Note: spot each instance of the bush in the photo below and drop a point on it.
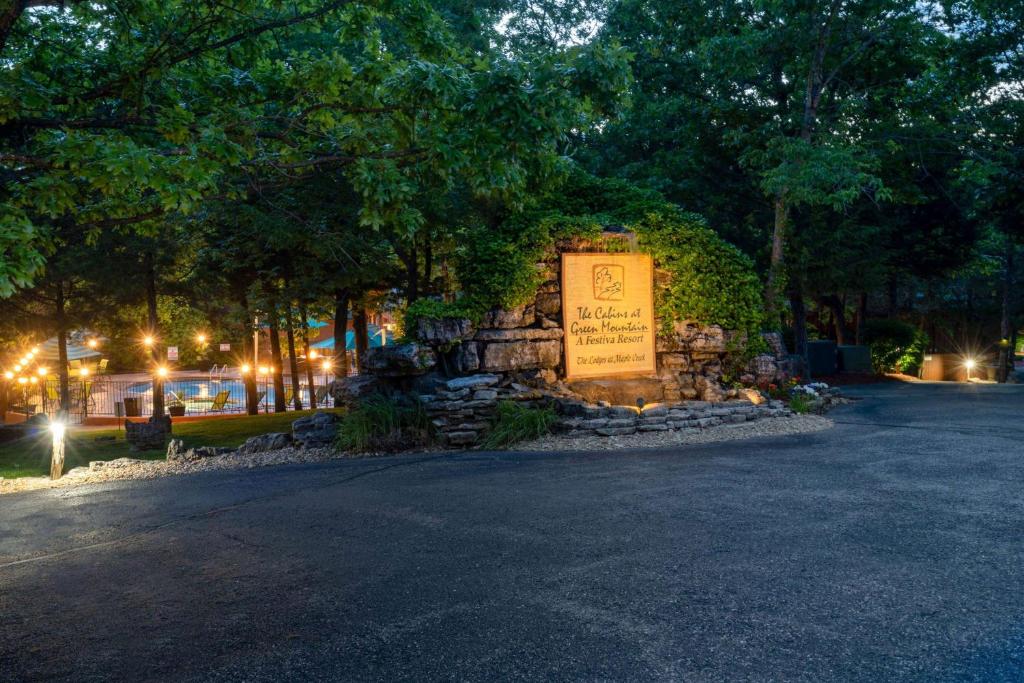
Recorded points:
(382, 423)
(800, 403)
(516, 422)
(713, 282)
(890, 340)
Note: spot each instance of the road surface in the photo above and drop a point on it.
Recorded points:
(890, 547)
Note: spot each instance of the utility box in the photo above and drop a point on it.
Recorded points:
(854, 358)
(131, 407)
(943, 367)
(821, 357)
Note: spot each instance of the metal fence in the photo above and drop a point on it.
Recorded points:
(183, 396)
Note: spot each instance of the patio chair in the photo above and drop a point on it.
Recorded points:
(220, 401)
(102, 367)
(288, 396)
(322, 395)
(260, 398)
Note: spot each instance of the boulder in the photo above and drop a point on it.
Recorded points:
(348, 391)
(549, 303)
(319, 430)
(175, 449)
(515, 334)
(273, 441)
(398, 360)
(443, 331)
(709, 389)
(521, 355)
(467, 357)
(754, 396)
(620, 392)
(150, 435)
(180, 454)
(472, 382)
(520, 316)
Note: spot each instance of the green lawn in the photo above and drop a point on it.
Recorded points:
(31, 457)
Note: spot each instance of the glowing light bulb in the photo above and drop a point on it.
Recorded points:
(92, 343)
(201, 338)
(84, 372)
(23, 380)
(161, 371)
(8, 375)
(34, 380)
(264, 370)
(147, 340)
(42, 372)
(245, 368)
(327, 365)
(313, 355)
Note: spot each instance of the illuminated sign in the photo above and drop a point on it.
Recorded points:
(608, 311)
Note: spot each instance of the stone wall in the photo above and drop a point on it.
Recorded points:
(462, 370)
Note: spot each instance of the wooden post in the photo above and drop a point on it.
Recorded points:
(57, 457)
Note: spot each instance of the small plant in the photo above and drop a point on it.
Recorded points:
(383, 423)
(800, 403)
(516, 422)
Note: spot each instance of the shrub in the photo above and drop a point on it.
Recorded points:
(383, 423)
(515, 422)
(800, 403)
(889, 340)
(713, 282)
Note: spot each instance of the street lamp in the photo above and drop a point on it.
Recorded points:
(57, 429)
(92, 343)
(148, 341)
(161, 372)
(201, 338)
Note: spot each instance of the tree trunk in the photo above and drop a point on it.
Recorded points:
(359, 322)
(158, 382)
(341, 301)
(310, 379)
(412, 271)
(276, 370)
(835, 305)
(862, 316)
(894, 295)
(796, 303)
(293, 362)
(1005, 355)
(428, 264)
(62, 352)
(252, 401)
(772, 290)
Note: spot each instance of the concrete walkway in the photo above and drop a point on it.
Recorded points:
(888, 548)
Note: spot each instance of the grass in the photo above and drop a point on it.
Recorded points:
(30, 457)
(515, 422)
(380, 423)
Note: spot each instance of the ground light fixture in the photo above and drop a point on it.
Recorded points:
(970, 364)
(57, 430)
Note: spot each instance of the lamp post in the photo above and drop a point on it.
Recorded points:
(57, 452)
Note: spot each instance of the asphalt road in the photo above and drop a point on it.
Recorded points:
(888, 548)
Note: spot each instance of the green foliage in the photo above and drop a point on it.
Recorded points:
(382, 423)
(890, 340)
(712, 281)
(515, 422)
(800, 403)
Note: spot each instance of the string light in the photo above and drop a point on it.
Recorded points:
(8, 375)
(245, 369)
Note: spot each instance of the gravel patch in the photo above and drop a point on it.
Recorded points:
(778, 426)
(129, 468)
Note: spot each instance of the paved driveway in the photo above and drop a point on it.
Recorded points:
(891, 547)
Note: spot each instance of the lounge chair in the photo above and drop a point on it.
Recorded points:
(220, 401)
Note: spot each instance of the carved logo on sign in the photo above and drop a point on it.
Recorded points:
(609, 282)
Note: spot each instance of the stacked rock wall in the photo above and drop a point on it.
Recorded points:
(462, 369)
